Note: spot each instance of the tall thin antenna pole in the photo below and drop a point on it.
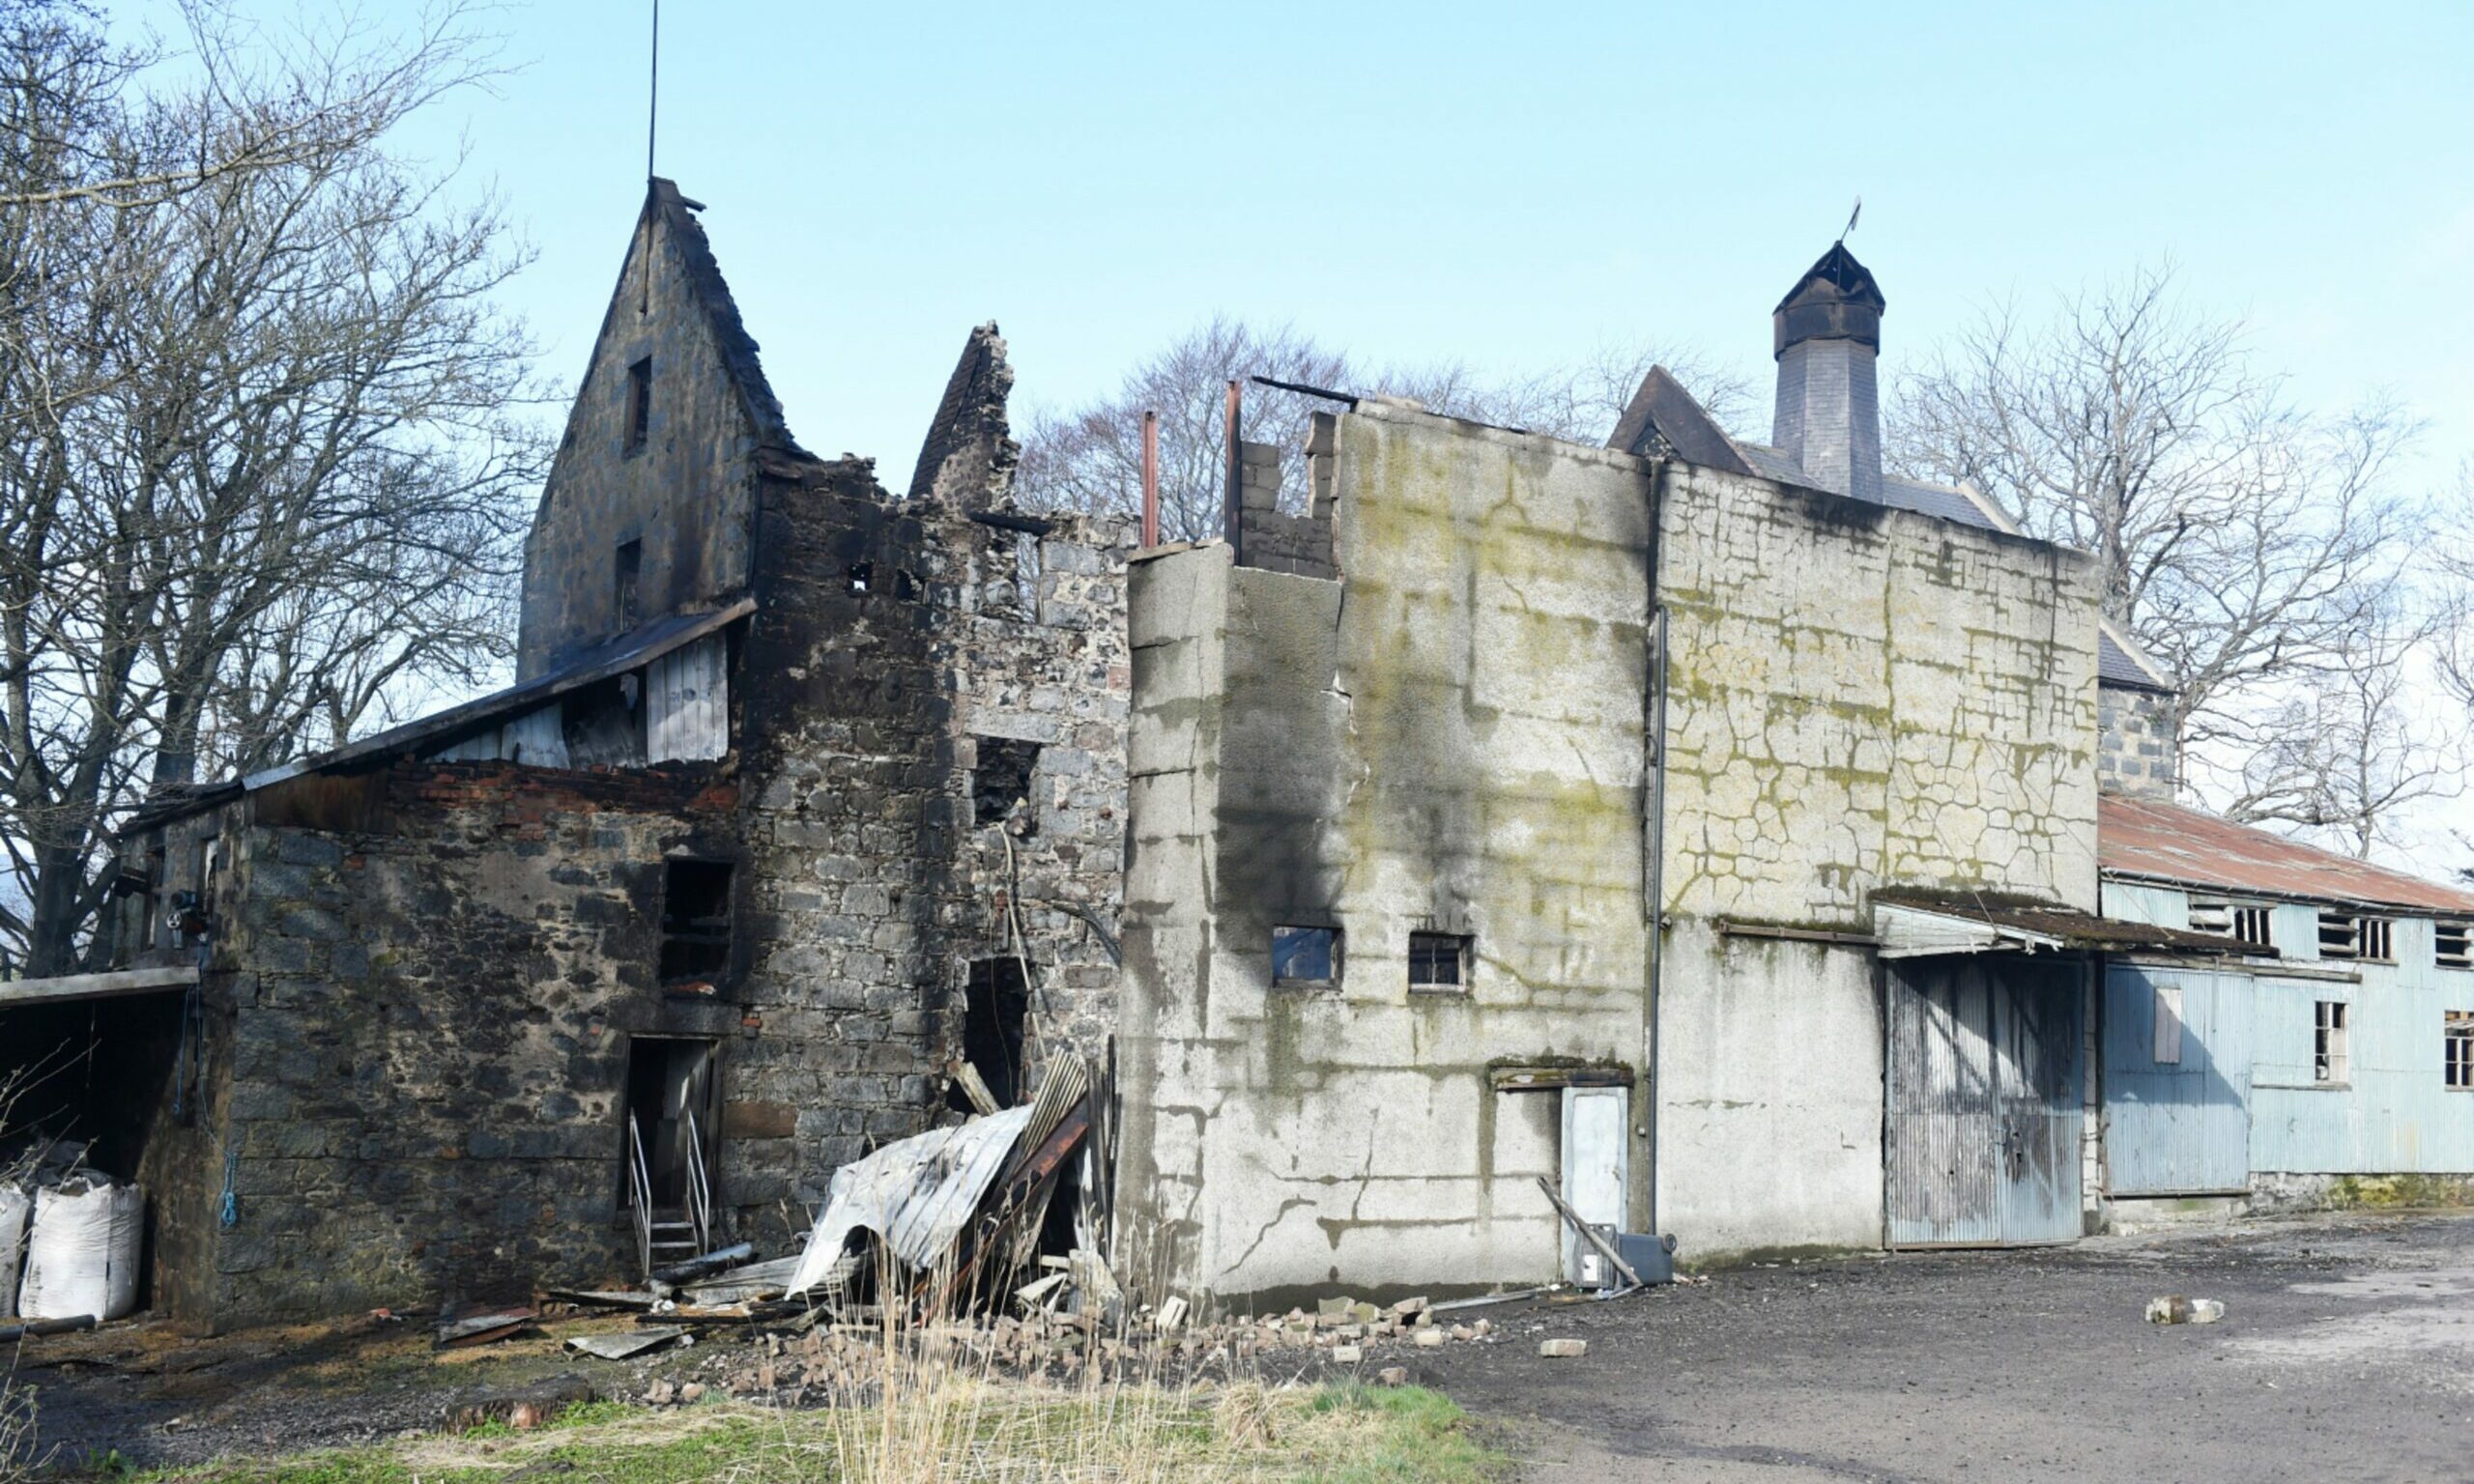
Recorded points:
(652, 97)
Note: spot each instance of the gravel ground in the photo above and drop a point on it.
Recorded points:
(2346, 1352)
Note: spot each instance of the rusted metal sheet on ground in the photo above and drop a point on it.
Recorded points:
(1984, 1069)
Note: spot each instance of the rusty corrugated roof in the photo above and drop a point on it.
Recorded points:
(2167, 842)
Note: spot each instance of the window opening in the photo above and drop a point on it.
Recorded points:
(2167, 1048)
(625, 570)
(997, 1007)
(2329, 1062)
(695, 921)
(2350, 935)
(2378, 939)
(1438, 960)
(640, 403)
(671, 1125)
(2459, 1048)
(2244, 922)
(1306, 955)
(2453, 944)
(1002, 779)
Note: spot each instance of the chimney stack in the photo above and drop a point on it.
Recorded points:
(1828, 334)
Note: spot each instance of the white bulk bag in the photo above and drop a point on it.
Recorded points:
(81, 1254)
(14, 1209)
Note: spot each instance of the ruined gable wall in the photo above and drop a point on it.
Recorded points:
(1451, 740)
(877, 888)
(685, 494)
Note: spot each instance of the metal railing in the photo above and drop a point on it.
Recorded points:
(700, 1190)
(640, 1186)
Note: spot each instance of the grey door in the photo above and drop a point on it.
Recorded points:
(1984, 1115)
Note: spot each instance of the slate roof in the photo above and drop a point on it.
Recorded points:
(2158, 842)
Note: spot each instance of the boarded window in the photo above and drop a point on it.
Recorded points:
(1438, 961)
(2330, 1062)
(2166, 1049)
(997, 1006)
(2459, 1049)
(695, 922)
(1002, 780)
(640, 403)
(2453, 944)
(1306, 955)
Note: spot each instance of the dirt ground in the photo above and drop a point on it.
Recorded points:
(2346, 1352)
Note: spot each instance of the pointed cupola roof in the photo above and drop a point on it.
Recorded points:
(1835, 300)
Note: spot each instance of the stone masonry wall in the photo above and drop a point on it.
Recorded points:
(2137, 755)
(431, 1011)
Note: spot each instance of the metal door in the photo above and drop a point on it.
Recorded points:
(2177, 1081)
(1596, 1156)
(1984, 1114)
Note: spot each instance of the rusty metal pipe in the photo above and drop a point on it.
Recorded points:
(1150, 479)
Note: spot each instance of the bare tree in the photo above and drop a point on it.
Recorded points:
(2250, 545)
(1091, 458)
(2347, 756)
(262, 436)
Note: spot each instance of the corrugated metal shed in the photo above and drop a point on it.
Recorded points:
(2146, 839)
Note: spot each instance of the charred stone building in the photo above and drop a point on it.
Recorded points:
(804, 789)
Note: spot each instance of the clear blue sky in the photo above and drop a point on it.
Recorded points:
(1501, 184)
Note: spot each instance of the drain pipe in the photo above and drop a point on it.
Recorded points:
(1657, 903)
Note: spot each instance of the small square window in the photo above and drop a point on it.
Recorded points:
(1438, 961)
(2459, 1049)
(2330, 1063)
(640, 403)
(1306, 955)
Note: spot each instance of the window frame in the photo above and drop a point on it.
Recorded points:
(725, 938)
(1331, 957)
(1463, 957)
(2457, 1050)
(2331, 1044)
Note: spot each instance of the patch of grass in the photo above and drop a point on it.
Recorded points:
(974, 1430)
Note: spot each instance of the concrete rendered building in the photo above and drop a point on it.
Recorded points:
(1709, 828)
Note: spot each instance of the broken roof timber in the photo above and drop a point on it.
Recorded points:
(638, 647)
(1914, 924)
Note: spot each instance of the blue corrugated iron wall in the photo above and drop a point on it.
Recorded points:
(2395, 1114)
(2181, 1128)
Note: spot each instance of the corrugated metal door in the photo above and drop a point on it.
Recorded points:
(1984, 1117)
(1595, 1153)
(2177, 1058)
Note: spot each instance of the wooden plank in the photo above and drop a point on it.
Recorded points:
(95, 987)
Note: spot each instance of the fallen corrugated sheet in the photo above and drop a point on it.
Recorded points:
(916, 1194)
